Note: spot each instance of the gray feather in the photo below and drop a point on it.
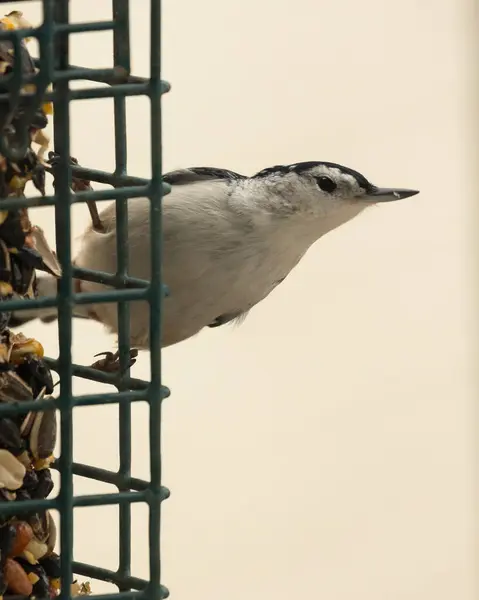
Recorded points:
(197, 174)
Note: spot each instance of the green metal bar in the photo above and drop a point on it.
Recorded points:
(90, 74)
(125, 89)
(53, 36)
(155, 590)
(117, 281)
(122, 398)
(85, 27)
(21, 408)
(121, 57)
(83, 298)
(97, 195)
(79, 501)
(107, 296)
(107, 75)
(131, 78)
(122, 499)
(100, 376)
(112, 577)
(10, 509)
(121, 89)
(117, 179)
(58, 51)
(27, 303)
(126, 396)
(137, 190)
(131, 483)
(9, 34)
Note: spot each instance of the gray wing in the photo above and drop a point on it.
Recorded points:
(197, 174)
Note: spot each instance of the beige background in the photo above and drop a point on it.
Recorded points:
(324, 449)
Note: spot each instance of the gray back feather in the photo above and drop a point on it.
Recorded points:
(198, 174)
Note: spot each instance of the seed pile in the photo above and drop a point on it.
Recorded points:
(29, 567)
(28, 564)
(14, 176)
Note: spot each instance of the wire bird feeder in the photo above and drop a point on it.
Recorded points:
(29, 566)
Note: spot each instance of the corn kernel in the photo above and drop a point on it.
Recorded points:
(23, 349)
(18, 183)
(33, 578)
(8, 24)
(30, 558)
(55, 583)
(43, 463)
(5, 288)
(48, 108)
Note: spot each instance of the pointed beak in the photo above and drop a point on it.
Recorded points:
(376, 194)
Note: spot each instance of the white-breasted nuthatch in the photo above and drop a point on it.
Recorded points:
(228, 241)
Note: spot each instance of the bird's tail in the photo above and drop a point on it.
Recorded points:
(46, 287)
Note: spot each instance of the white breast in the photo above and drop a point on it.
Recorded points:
(217, 259)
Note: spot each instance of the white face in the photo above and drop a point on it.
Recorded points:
(321, 191)
(312, 191)
(332, 182)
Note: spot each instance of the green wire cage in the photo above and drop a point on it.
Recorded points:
(54, 68)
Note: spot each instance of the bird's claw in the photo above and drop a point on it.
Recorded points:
(111, 361)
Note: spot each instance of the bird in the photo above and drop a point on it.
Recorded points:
(228, 241)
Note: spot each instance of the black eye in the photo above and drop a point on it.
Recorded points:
(326, 184)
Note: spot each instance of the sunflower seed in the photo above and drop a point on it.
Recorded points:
(13, 388)
(26, 425)
(12, 471)
(43, 435)
(52, 533)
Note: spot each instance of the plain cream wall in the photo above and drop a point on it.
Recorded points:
(324, 449)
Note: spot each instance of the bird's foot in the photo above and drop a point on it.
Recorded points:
(111, 361)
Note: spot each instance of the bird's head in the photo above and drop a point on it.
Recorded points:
(324, 190)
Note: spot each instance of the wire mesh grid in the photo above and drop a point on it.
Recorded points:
(54, 67)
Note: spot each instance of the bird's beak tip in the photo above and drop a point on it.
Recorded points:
(389, 194)
(409, 193)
